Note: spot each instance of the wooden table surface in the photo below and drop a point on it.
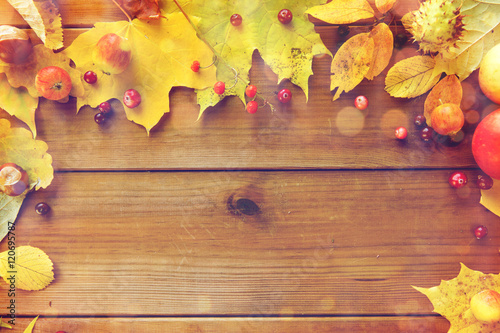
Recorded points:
(145, 238)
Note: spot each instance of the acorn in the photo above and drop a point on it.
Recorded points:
(15, 45)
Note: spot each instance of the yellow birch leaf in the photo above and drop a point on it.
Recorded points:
(43, 17)
(448, 90)
(31, 268)
(451, 299)
(382, 53)
(23, 75)
(342, 11)
(491, 198)
(384, 6)
(351, 63)
(4, 324)
(18, 103)
(412, 77)
(30, 327)
(162, 53)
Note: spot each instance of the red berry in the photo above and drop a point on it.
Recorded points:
(42, 208)
(484, 182)
(90, 77)
(426, 134)
(480, 231)
(104, 107)
(361, 102)
(251, 90)
(195, 67)
(252, 107)
(132, 98)
(285, 16)
(236, 19)
(458, 179)
(284, 95)
(420, 120)
(99, 118)
(401, 133)
(219, 87)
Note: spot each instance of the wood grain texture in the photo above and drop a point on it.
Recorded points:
(323, 243)
(319, 134)
(236, 325)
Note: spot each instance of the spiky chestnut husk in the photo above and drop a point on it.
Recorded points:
(437, 25)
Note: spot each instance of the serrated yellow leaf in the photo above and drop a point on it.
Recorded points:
(43, 17)
(382, 52)
(342, 11)
(4, 324)
(31, 268)
(412, 77)
(288, 49)
(451, 299)
(491, 198)
(351, 63)
(30, 327)
(18, 146)
(448, 90)
(23, 75)
(18, 103)
(384, 6)
(162, 54)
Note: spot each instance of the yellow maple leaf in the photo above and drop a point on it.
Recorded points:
(162, 54)
(351, 63)
(342, 11)
(29, 268)
(448, 90)
(18, 102)
(412, 77)
(18, 146)
(43, 17)
(451, 299)
(491, 198)
(382, 52)
(23, 75)
(31, 325)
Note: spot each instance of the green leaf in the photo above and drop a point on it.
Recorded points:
(17, 102)
(287, 49)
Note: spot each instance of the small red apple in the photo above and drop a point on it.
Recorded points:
(486, 144)
(13, 179)
(53, 83)
(112, 54)
(447, 119)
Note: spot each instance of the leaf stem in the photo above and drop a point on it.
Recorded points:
(123, 10)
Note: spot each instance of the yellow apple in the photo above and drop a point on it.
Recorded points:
(489, 74)
(485, 306)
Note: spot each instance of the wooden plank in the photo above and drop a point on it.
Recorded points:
(185, 243)
(319, 134)
(263, 325)
(76, 13)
